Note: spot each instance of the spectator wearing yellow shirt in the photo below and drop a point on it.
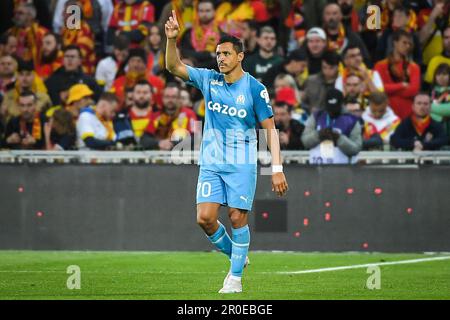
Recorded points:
(231, 14)
(440, 59)
(432, 23)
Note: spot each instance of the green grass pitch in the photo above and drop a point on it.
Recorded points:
(199, 275)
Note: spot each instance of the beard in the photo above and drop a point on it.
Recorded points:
(332, 24)
(47, 59)
(142, 105)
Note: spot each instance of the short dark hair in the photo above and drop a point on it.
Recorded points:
(378, 97)
(57, 37)
(402, 9)
(109, 97)
(283, 104)
(296, 55)
(422, 93)
(265, 29)
(143, 82)
(4, 38)
(443, 68)
(172, 85)
(252, 24)
(238, 45)
(401, 33)
(331, 58)
(121, 42)
(207, 1)
(73, 47)
(351, 46)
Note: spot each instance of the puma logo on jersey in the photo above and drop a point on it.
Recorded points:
(224, 109)
(244, 198)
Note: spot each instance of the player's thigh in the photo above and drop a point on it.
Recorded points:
(240, 189)
(210, 188)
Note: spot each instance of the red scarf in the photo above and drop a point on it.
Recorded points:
(420, 124)
(337, 45)
(36, 131)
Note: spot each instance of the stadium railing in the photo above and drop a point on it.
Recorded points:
(191, 157)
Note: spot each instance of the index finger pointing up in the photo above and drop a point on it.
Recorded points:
(174, 16)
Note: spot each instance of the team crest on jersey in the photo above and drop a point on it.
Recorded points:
(240, 99)
(216, 83)
(265, 95)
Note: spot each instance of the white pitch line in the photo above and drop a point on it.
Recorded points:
(364, 265)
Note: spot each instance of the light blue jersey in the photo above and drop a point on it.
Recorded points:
(228, 154)
(232, 112)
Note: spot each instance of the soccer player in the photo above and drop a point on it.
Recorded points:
(235, 102)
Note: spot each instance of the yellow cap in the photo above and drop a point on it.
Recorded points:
(78, 92)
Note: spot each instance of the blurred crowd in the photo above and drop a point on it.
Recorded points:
(89, 74)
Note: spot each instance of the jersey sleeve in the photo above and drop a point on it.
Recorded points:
(261, 101)
(198, 77)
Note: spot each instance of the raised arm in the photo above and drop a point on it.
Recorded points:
(173, 62)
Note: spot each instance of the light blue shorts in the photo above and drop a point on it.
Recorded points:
(232, 189)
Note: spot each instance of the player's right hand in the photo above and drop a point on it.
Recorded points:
(172, 27)
(279, 184)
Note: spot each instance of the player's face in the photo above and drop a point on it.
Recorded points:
(227, 58)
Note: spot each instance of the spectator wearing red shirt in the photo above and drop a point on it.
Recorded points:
(136, 67)
(401, 77)
(129, 18)
(171, 125)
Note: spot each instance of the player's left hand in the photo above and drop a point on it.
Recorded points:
(279, 184)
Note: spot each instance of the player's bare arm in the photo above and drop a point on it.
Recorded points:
(279, 182)
(173, 62)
